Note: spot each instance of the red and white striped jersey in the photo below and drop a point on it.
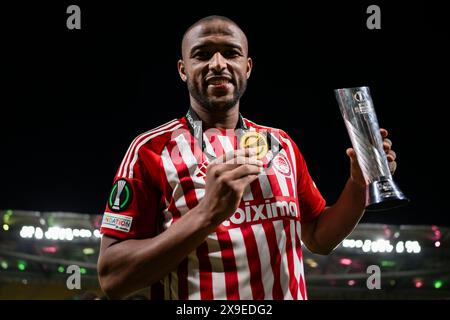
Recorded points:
(256, 253)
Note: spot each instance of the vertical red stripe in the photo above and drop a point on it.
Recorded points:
(168, 192)
(254, 263)
(273, 181)
(291, 159)
(212, 136)
(289, 185)
(256, 190)
(186, 181)
(275, 260)
(298, 248)
(303, 288)
(293, 284)
(229, 265)
(206, 285)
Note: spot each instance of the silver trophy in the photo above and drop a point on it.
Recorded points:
(362, 125)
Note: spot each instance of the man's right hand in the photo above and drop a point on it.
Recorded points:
(226, 179)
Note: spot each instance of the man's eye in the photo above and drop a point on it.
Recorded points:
(202, 55)
(231, 54)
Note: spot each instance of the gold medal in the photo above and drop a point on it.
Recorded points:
(256, 140)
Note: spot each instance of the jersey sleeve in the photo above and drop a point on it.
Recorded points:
(132, 208)
(310, 199)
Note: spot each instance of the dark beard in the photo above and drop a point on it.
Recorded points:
(214, 106)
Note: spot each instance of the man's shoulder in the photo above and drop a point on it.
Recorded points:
(272, 130)
(155, 139)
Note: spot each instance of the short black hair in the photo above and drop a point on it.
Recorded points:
(207, 19)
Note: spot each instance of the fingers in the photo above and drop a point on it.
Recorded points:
(391, 155)
(235, 162)
(351, 153)
(387, 147)
(238, 178)
(384, 132)
(241, 183)
(392, 166)
(239, 160)
(387, 144)
(241, 171)
(248, 152)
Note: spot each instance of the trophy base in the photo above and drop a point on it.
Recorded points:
(384, 195)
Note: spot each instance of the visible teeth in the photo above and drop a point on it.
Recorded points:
(218, 81)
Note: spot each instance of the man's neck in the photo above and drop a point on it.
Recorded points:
(227, 119)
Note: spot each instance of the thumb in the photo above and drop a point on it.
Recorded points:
(351, 153)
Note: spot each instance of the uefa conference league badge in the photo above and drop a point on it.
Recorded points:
(120, 196)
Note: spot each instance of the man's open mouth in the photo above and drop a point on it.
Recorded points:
(218, 81)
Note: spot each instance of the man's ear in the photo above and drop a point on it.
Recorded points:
(249, 67)
(182, 70)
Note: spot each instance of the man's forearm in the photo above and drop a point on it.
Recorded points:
(339, 220)
(131, 265)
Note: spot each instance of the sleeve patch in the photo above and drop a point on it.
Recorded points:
(121, 195)
(117, 222)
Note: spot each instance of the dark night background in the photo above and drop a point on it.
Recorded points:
(73, 100)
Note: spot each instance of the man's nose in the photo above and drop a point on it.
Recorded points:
(217, 62)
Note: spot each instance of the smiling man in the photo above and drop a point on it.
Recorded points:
(212, 205)
(216, 82)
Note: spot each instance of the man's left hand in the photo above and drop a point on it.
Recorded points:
(356, 173)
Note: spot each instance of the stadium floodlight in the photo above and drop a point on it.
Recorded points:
(311, 262)
(345, 261)
(418, 283)
(367, 245)
(27, 232)
(21, 265)
(38, 234)
(49, 249)
(437, 284)
(399, 248)
(387, 263)
(88, 251)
